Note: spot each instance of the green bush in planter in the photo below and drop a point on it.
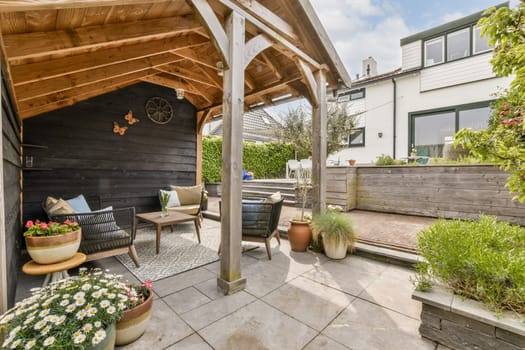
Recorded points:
(483, 260)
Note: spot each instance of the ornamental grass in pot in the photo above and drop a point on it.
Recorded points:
(52, 242)
(75, 313)
(334, 232)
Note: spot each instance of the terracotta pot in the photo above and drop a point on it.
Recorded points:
(134, 322)
(351, 162)
(333, 249)
(299, 235)
(53, 249)
(109, 341)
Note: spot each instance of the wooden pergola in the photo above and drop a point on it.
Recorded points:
(227, 56)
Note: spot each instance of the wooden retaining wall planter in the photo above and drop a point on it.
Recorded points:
(460, 323)
(449, 191)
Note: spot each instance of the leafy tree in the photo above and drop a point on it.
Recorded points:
(503, 142)
(297, 129)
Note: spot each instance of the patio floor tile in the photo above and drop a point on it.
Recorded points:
(204, 315)
(186, 300)
(258, 326)
(322, 342)
(348, 277)
(193, 342)
(309, 302)
(181, 281)
(296, 262)
(366, 326)
(393, 293)
(264, 278)
(165, 328)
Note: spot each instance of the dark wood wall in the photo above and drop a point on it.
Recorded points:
(82, 154)
(11, 190)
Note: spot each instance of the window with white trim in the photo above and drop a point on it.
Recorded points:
(434, 51)
(357, 137)
(480, 44)
(458, 44)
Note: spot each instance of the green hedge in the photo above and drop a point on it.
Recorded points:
(265, 161)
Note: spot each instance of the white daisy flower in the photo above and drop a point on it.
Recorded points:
(60, 320)
(7, 319)
(87, 327)
(30, 344)
(104, 304)
(80, 302)
(70, 308)
(91, 312)
(45, 330)
(79, 295)
(44, 313)
(79, 337)
(96, 294)
(81, 314)
(29, 320)
(16, 343)
(49, 341)
(39, 325)
(99, 336)
(111, 310)
(86, 287)
(14, 331)
(98, 324)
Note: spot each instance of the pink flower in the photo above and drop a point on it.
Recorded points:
(148, 284)
(29, 223)
(43, 225)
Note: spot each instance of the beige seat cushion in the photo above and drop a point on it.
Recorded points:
(274, 198)
(58, 206)
(192, 209)
(188, 194)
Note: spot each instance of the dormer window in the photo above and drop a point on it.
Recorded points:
(434, 51)
(481, 44)
(458, 44)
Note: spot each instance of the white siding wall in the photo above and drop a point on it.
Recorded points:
(411, 55)
(459, 72)
(378, 116)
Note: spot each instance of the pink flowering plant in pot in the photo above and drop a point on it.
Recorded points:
(137, 313)
(43, 229)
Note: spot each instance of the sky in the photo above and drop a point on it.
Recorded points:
(362, 28)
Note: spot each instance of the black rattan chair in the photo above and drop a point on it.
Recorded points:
(105, 233)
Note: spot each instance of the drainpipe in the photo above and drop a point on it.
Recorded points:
(394, 116)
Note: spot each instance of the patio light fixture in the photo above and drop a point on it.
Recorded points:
(180, 93)
(220, 68)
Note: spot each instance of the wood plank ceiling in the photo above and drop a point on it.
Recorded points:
(58, 53)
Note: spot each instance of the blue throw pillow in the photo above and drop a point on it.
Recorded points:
(79, 204)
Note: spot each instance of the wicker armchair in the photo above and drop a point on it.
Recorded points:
(260, 221)
(105, 233)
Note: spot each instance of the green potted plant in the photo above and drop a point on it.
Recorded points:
(137, 313)
(51, 242)
(164, 200)
(299, 231)
(333, 231)
(75, 313)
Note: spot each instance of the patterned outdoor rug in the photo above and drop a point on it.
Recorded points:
(179, 250)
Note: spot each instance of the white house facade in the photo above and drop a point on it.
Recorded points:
(445, 83)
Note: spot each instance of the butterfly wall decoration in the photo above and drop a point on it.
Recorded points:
(131, 120)
(117, 129)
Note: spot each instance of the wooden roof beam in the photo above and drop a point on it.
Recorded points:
(274, 66)
(185, 74)
(44, 70)
(174, 83)
(265, 15)
(215, 28)
(284, 45)
(32, 5)
(69, 81)
(41, 46)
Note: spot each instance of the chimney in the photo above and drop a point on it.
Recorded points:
(369, 67)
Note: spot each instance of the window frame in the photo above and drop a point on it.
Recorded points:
(456, 109)
(444, 36)
(443, 58)
(347, 95)
(469, 45)
(361, 144)
(474, 38)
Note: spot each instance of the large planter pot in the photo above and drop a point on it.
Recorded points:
(134, 322)
(109, 342)
(214, 189)
(53, 249)
(334, 249)
(299, 235)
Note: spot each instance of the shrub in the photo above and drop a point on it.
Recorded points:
(265, 161)
(483, 260)
(388, 160)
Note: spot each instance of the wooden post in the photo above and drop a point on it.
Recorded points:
(319, 145)
(3, 239)
(229, 279)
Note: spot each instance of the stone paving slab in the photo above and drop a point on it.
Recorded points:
(322, 342)
(193, 342)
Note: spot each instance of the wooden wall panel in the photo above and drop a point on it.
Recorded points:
(11, 190)
(438, 191)
(83, 155)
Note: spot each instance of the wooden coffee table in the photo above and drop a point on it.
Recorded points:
(172, 219)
